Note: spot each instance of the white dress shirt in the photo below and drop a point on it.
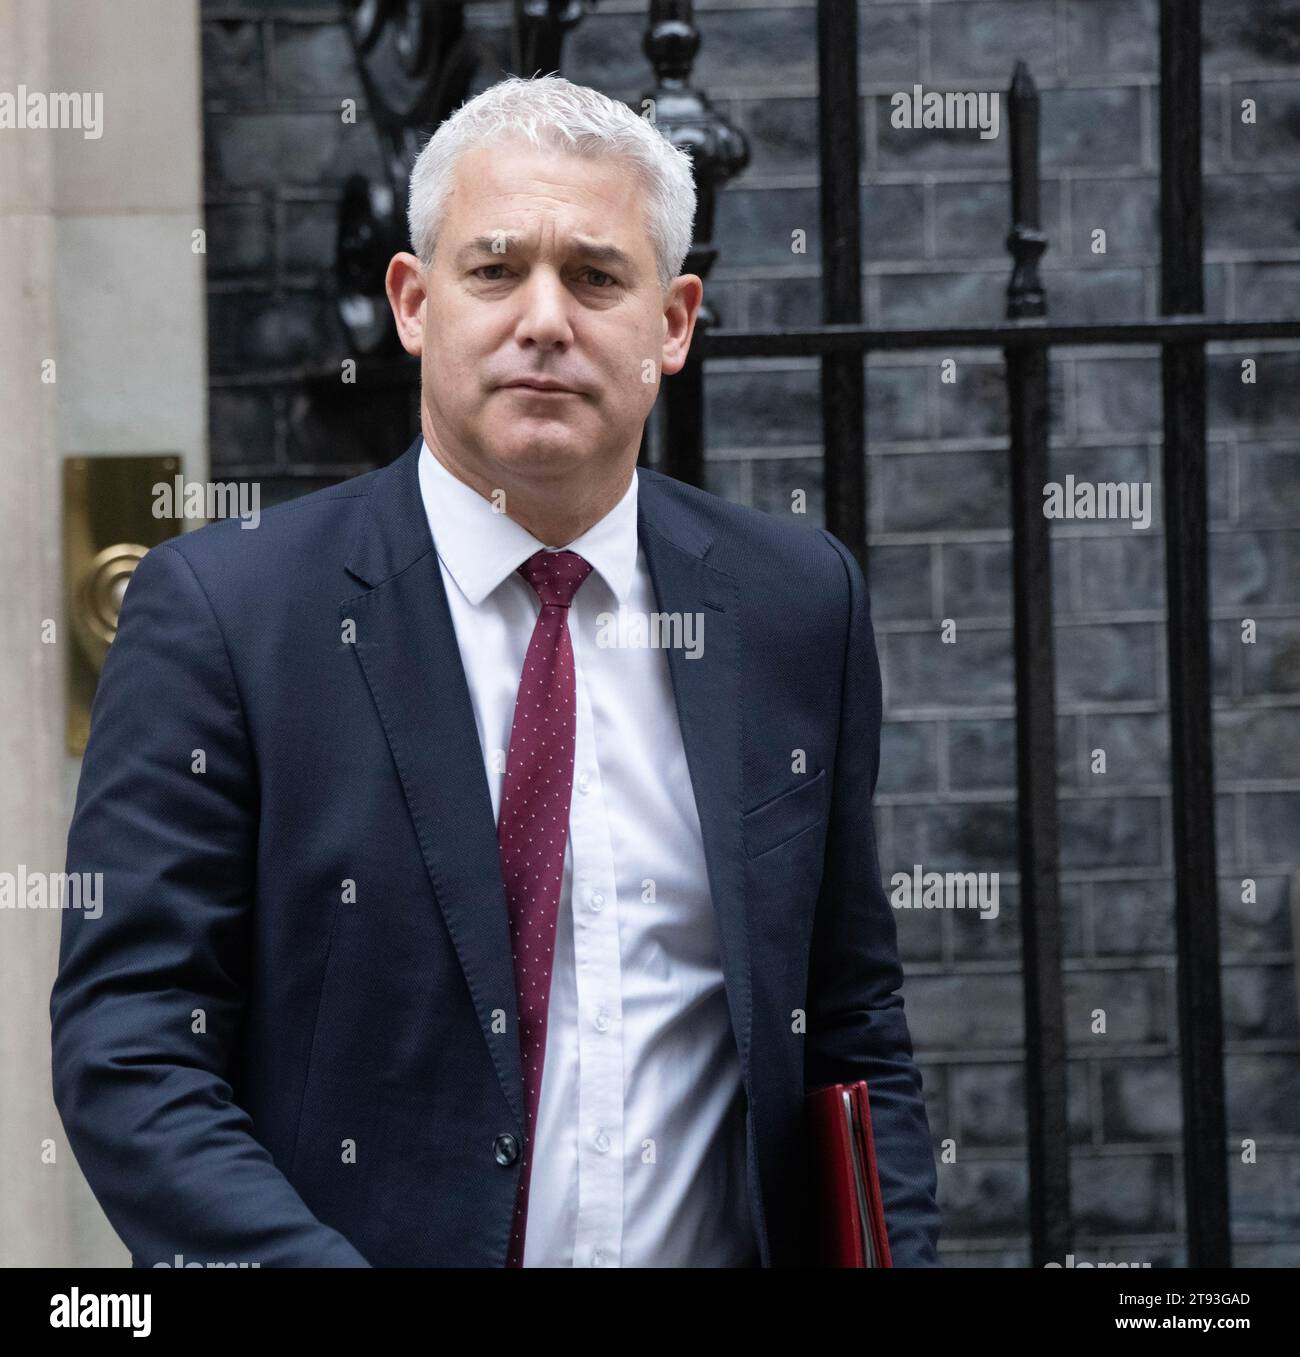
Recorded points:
(639, 1153)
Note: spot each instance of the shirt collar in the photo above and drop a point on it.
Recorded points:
(481, 547)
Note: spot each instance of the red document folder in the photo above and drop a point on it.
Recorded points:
(850, 1216)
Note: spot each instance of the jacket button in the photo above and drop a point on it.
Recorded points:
(506, 1149)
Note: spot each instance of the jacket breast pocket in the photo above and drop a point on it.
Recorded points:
(785, 816)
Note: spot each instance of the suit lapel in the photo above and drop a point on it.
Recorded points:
(406, 645)
(405, 642)
(707, 693)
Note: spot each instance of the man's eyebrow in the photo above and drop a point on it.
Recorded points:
(604, 252)
(486, 245)
(597, 250)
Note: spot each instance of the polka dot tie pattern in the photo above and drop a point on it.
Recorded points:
(534, 825)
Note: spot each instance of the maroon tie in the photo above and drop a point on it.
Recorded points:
(534, 825)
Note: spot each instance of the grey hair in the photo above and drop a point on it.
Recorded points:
(550, 112)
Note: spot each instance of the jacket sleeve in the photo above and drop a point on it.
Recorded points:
(147, 1005)
(856, 1025)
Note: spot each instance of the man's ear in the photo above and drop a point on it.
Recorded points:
(681, 307)
(407, 290)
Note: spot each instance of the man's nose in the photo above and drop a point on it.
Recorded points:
(544, 303)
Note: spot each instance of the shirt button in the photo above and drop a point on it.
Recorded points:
(602, 1021)
(584, 783)
(597, 900)
(506, 1149)
(598, 1257)
(602, 1141)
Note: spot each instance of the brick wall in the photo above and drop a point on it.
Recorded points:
(935, 209)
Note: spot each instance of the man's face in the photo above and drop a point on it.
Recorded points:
(543, 271)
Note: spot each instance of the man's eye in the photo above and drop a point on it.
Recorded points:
(608, 278)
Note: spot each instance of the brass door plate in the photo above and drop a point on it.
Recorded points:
(108, 525)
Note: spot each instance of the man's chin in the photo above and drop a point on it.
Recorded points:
(552, 451)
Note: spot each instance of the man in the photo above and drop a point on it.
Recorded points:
(487, 852)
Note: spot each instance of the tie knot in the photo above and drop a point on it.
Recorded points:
(555, 575)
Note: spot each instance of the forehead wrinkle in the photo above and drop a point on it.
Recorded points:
(537, 186)
(574, 243)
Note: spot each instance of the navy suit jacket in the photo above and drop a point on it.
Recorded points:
(277, 1044)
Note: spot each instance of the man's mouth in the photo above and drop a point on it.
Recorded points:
(542, 388)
